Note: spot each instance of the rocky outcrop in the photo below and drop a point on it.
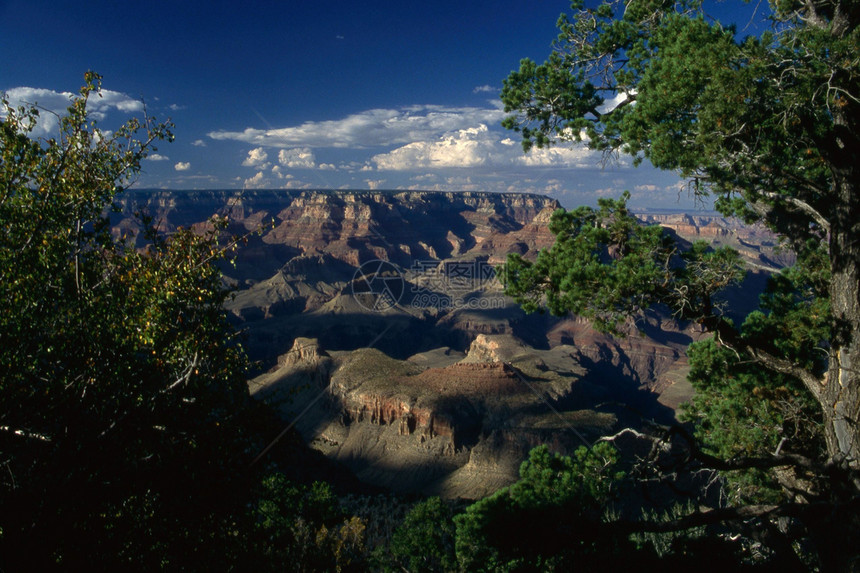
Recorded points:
(307, 355)
(692, 226)
(635, 355)
(435, 402)
(456, 430)
(306, 365)
(493, 349)
(303, 284)
(533, 236)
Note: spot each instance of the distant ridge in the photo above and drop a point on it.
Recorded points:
(395, 192)
(322, 190)
(355, 226)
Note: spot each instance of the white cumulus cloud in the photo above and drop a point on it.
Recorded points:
(256, 158)
(477, 147)
(108, 99)
(371, 128)
(562, 155)
(258, 181)
(297, 158)
(98, 105)
(182, 166)
(421, 137)
(157, 157)
(468, 147)
(296, 184)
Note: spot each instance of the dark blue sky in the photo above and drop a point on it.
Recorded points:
(373, 94)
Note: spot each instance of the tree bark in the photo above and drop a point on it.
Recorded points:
(840, 398)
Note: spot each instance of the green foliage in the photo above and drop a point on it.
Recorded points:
(605, 265)
(731, 417)
(122, 394)
(537, 89)
(424, 542)
(304, 527)
(747, 119)
(769, 126)
(548, 520)
(742, 410)
(795, 317)
(282, 503)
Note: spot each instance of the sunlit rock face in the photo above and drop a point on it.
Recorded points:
(441, 422)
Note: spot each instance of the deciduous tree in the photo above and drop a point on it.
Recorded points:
(121, 390)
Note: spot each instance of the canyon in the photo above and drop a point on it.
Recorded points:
(381, 333)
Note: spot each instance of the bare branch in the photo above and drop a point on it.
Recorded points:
(777, 459)
(186, 376)
(733, 514)
(26, 434)
(802, 206)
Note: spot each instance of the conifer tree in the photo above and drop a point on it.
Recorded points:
(767, 126)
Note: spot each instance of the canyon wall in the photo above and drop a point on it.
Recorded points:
(379, 329)
(356, 226)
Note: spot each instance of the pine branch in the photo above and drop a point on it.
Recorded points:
(730, 338)
(802, 511)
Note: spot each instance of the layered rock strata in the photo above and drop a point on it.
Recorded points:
(459, 383)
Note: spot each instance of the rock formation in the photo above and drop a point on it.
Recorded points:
(356, 226)
(421, 375)
(437, 425)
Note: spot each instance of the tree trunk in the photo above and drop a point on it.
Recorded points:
(836, 534)
(840, 397)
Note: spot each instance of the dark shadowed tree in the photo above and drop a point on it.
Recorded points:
(424, 542)
(549, 520)
(122, 393)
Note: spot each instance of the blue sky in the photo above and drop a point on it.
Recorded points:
(376, 94)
